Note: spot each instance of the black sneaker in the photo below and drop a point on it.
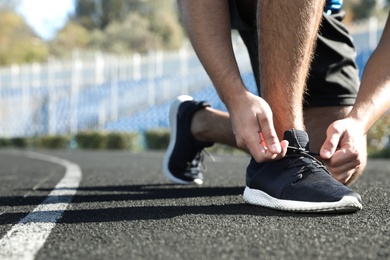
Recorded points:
(183, 159)
(298, 182)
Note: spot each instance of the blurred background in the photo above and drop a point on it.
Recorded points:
(73, 66)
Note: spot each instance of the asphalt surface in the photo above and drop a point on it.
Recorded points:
(124, 208)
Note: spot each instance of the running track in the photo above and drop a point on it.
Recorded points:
(118, 205)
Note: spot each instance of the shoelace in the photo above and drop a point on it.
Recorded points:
(196, 166)
(301, 152)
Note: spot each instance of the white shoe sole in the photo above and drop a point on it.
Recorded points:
(172, 142)
(347, 204)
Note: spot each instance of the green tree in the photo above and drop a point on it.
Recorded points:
(113, 11)
(126, 26)
(98, 14)
(18, 43)
(132, 35)
(359, 9)
(165, 25)
(365, 9)
(72, 36)
(86, 14)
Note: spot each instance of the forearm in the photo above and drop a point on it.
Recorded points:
(208, 27)
(374, 94)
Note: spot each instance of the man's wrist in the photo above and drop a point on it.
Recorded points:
(233, 96)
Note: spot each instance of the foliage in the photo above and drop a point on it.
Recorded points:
(378, 136)
(384, 153)
(86, 14)
(127, 26)
(114, 26)
(98, 14)
(95, 14)
(53, 142)
(121, 141)
(136, 39)
(90, 140)
(103, 140)
(85, 140)
(19, 142)
(18, 43)
(5, 142)
(72, 36)
(363, 9)
(157, 139)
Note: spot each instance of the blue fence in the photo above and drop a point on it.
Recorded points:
(117, 104)
(157, 116)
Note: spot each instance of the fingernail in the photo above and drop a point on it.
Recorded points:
(326, 153)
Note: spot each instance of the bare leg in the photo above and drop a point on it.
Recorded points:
(287, 31)
(215, 126)
(211, 125)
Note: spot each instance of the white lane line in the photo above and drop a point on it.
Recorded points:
(25, 239)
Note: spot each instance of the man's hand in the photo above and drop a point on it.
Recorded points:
(342, 149)
(253, 128)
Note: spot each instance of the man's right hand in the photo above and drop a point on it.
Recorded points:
(253, 127)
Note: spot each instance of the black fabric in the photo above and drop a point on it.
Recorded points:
(333, 78)
(299, 139)
(186, 146)
(184, 117)
(297, 176)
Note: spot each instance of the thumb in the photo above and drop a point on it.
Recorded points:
(330, 145)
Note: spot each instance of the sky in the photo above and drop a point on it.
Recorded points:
(46, 16)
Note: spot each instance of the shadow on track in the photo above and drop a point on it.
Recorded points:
(167, 192)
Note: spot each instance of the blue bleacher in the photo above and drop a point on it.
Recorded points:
(157, 116)
(94, 99)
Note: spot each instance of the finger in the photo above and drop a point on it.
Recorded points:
(330, 145)
(283, 144)
(258, 149)
(344, 157)
(344, 177)
(266, 155)
(259, 152)
(343, 168)
(268, 132)
(252, 142)
(261, 155)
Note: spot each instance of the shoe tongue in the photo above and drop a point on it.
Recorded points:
(297, 138)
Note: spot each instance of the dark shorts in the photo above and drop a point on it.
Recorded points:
(333, 79)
